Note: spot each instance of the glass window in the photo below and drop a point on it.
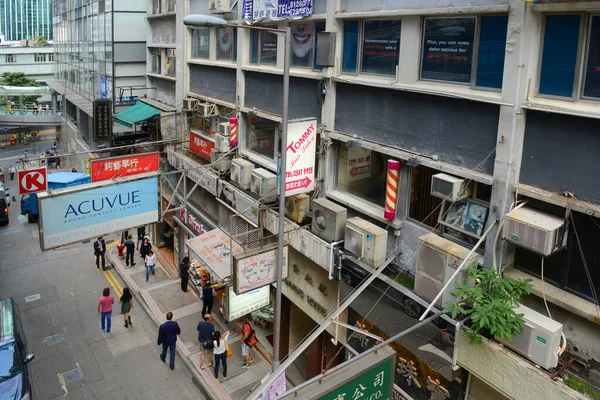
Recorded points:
(263, 47)
(561, 38)
(363, 173)
(592, 70)
(200, 43)
(303, 43)
(156, 64)
(227, 44)
(262, 136)
(492, 48)
(424, 207)
(448, 49)
(381, 44)
(350, 55)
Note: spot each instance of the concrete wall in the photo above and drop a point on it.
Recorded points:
(213, 82)
(164, 92)
(163, 30)
(377, 5)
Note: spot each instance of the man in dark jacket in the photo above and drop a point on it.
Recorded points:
(100, 251)
(130, 248)
(141, 232)
(167, 336)
(184, 273)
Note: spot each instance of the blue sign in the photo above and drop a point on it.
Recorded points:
(78, 215)
(276, 9)
(5, 130)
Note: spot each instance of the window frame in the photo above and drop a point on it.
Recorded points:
(586, 40)
(232, 59)
(314, 48)
(262, 159)
(10, 59)
(196, 32)
(260, 34)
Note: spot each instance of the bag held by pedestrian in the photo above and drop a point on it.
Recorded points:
(229, 352)
(251, 339)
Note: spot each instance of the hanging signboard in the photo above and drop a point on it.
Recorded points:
(114, 167)
(201, 146)
(240, 305)
(256, 269)
(103, 125)
(301, 153)
(276, 9)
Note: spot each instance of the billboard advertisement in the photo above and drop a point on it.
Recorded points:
(115, 167)
(243, 304)
(252, 270)
(84, 212)
(201, 146)
(301, 153)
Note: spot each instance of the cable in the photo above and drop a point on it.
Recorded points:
(544, 289)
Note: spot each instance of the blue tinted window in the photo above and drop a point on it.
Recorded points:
(561, 38)
(319, 27)
(381, 44)
(492, 46)
(592, 70)
(254, 40)
(350, 46)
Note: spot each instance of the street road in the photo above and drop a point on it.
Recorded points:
(57, 293)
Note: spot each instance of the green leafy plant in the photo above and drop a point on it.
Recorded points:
(20, 80)
(582, 387)
(41, 40)
(490, 301)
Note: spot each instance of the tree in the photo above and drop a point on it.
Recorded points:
(41, 40)
(20, 80)
(491, 303)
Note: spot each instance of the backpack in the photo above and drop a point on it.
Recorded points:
(251, 339)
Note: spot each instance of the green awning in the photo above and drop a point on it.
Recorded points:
(135, 114)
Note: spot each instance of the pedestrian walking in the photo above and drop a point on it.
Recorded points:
(145, 248)
(184, 273)
(39, 109)
(130, 251)
(9, 107)
(46, 109)
(105, 309)
(205, 336)
(42, 160)
(100, 251)
(141, 232)
(248, 342)
(12, 171)
(220, 351)
(167, 336)
(35, 108)
(126, 302)
(150, 263)
(207, 294)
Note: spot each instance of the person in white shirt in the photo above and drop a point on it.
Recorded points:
(220, 352)
(12, 171)
(150, 263)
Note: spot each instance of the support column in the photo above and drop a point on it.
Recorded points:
(54, 102)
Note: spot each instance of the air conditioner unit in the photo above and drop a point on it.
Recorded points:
(540, 339)
(219, 6)
(171, 53)
(225, 128)
(449, 187)
(365, 240)
(328, 220)
(222, 143)
(534, 230)
(206, 109)
(264, 184)
(224, 161)
(190, 104)
(241, 172)
(296, 207)
(437, 260)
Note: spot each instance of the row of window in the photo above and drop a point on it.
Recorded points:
(38, 57)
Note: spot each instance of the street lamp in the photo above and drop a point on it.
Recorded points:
(204, 21)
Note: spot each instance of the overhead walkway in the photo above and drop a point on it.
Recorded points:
(28, 117)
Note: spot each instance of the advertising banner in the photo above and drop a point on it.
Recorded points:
(255, 269)
(301, 153)
(102, 86)
(359, 164)
(201, 146)
(276, 9)
(103, 121)
(85, 212)
(32, 180)
(212, 248)
(114, 167)
(247, 302)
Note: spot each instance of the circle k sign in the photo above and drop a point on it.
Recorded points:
(32, 180)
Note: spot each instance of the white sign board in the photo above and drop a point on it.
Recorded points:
(301, 152)
(276, 389)
(257, 269)
(213, 250)
(240, 305)
(359, 164)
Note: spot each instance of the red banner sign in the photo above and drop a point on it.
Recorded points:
(201, 146)
(107, 168)
(32, 180)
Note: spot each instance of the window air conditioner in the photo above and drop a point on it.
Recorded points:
(219, 6)
(449, 187)
(225, 128)
(365, 240)
(171, 53)
(224, 160)
(190, 104)
(241, 172)
(206, 109)
(540, 339)
(534, 230)
(264, 184)
(437, 260)
(328, 220)
(296, 207)
(222, 143)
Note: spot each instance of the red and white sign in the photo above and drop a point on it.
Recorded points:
(359, 164)
(33, 180)
(201, 145)
(301, 153)
(115, 167)
(188, 219)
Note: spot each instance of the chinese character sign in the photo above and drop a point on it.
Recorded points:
(375, 383)
(103, 123)
(300, 162)
(201, 145)
(107, 168)
(276, 9)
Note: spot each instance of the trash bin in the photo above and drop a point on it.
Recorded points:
(121, 249)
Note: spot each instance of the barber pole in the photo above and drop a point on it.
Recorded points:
(233, 135)
(391, 192)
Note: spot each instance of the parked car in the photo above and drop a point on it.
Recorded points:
(14, 371)
(3, 211)
(4, 193)
(352, 274)
(1, 175)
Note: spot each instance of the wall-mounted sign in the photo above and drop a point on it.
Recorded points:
(359, 164)
(190, 221)
(276, 9)
(114, 167)
(103, 121)
(83, 212)
(240, 305)
(102, 86)
(256, 269)
(32, 180)
(207, 178)
(301, 153)
(201, 145)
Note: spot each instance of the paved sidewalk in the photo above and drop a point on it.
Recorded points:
(162, 293)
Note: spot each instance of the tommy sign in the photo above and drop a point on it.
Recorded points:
(188, 219)
(32, 180)
(301, 151)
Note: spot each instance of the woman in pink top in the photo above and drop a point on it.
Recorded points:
(105, 308)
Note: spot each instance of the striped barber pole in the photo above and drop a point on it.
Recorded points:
(391, 192)
(233, 141)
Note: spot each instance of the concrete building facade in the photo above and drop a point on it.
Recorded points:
(502, 94)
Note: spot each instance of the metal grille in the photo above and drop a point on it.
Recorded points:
(248, 235)
(422, 203)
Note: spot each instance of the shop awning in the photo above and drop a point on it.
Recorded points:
(211, 249)
(136, 114)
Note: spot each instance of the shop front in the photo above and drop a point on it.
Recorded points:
(166, 232)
